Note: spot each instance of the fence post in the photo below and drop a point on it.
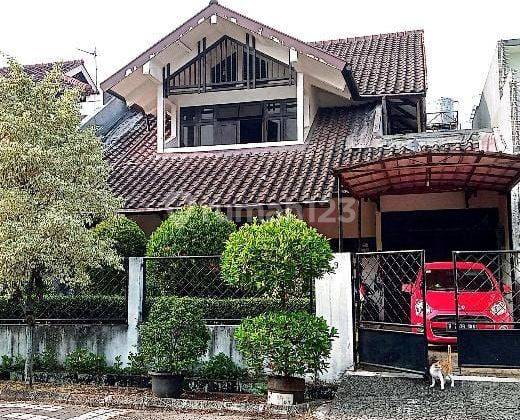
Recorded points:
(334, 304)
(135, 301)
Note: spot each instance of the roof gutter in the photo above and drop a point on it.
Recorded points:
(221, 206)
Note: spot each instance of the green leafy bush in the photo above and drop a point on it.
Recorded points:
(280, 256)
(46, 361)
(82, 360)
(12, 364)
(221, 367)
(128, 240)
(136, 365)
(287, 343)
(192, 231)
(236, 309)
(174, 336)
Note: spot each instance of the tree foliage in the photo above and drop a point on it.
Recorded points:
(128, 240)
(52, 186)
(281, 256)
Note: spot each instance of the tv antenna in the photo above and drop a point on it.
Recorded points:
(94, 54)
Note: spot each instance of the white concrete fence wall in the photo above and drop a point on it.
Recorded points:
(333, 302)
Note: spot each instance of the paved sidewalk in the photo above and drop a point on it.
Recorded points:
(361, 397)
(43, 411)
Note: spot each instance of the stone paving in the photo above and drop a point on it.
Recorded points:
(362, 397)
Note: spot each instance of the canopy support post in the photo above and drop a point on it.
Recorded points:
(340, 213)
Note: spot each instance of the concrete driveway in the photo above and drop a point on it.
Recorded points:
(381, 398)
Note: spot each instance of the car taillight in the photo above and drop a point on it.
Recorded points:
(419, 308)
(498, 308)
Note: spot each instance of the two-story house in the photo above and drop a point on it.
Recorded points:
(228, 112)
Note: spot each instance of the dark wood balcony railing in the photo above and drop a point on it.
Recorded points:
(226, 65)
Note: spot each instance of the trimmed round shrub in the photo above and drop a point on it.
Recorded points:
(128, 240)
(285, 343)
(280, 256)
(192, 231)
(174, 337)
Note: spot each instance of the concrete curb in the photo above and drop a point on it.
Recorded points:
(152, 403)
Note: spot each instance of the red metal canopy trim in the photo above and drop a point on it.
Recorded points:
(431, 171)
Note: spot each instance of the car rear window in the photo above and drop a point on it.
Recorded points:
(468, 280)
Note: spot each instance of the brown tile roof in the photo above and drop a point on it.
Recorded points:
(299, 173)
(147, 180)
(392, 63)
(38, 72)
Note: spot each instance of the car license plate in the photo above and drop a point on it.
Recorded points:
(452, 326)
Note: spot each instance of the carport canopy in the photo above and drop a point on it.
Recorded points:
(431, 171)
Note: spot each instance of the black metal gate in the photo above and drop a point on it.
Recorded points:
(390, 310)
(487, 303)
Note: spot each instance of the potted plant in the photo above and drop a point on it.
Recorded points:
(172, 340)
(281, 257)
(289, 345)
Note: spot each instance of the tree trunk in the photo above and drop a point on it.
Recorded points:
(30, 322)
(29, 335)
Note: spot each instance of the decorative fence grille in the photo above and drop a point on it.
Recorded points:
(102, 301)
(199, 278)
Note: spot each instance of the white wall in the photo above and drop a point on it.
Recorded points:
(108, 340)
(334, 303)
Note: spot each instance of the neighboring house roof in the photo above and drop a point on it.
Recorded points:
(383, 64)
(38, 72)
(148, 181)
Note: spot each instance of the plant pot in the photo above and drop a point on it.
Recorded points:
(285, 390)
(167, 385)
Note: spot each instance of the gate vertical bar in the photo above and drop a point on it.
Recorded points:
(356, 302)
(456, 282)
(425, 304)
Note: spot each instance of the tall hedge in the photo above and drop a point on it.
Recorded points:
(192, 231)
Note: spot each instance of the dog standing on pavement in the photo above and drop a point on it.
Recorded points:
(442, 371)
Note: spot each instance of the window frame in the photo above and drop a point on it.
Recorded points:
(197, 121)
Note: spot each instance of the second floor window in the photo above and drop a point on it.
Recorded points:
(242, 123)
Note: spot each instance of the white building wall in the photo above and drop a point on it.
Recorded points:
(335, 304)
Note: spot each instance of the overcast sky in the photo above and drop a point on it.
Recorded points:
(460, 35)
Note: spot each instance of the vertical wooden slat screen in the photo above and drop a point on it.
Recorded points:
(229, 64)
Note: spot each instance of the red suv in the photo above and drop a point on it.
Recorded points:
(481, 300)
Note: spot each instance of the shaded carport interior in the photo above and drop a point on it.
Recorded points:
(424, 172)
